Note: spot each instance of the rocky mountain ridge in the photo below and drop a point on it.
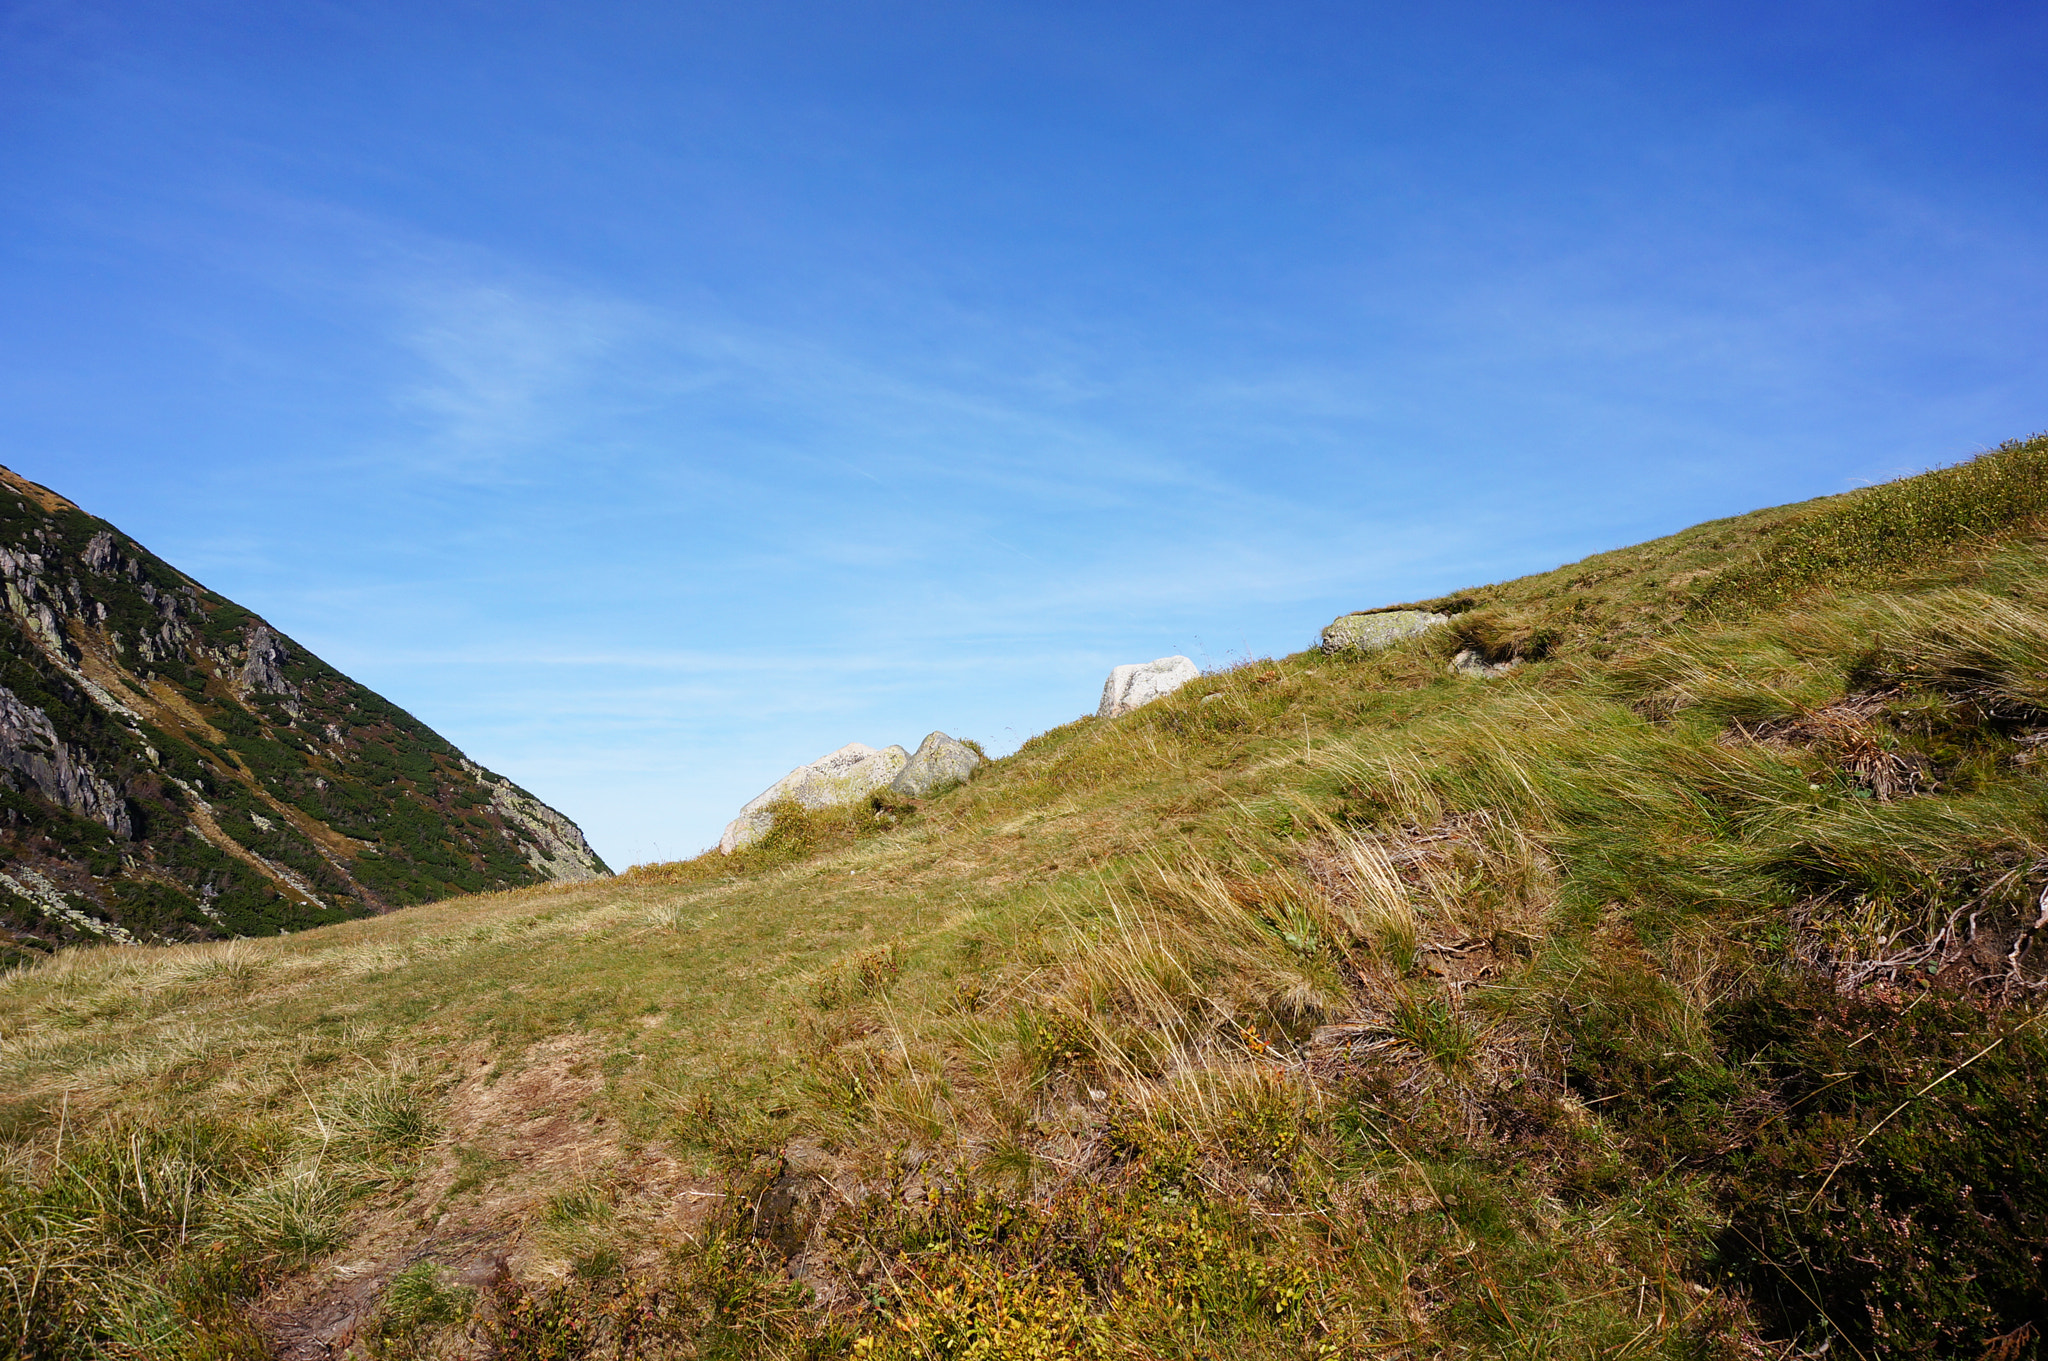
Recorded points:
(172, 767)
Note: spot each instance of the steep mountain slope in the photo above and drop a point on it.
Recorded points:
(1674, 992)
(172, 768)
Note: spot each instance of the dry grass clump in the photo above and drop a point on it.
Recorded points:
(140, 1238)
(1846, 736)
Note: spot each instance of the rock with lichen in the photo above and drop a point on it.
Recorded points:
(1372, 630)
(853, 772)
(938, 762)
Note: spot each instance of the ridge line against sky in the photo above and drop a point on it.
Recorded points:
(652, 398)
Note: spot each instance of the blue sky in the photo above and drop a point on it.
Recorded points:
(652, 397)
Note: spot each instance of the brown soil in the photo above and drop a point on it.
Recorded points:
(542, 1128)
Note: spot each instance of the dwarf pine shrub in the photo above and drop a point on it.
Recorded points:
(1890, 526)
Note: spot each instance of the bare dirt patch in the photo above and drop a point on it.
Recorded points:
(515, 1134)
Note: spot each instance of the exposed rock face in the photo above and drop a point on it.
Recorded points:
(40, 762)
(173, 767)
(853, 772)
(940, 761)
(1142, 682)
(1369, 631)
(1470, 662)
(100, 554)
(263, 666)
(554, 846)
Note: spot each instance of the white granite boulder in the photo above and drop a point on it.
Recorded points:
(850, 773)
(1142, 682)
(1371, 630)
(940, 761)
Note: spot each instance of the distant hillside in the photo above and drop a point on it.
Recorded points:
(1648, 960)
(173, 768)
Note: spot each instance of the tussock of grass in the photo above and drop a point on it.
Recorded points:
(419, 1308)
(1673, 994)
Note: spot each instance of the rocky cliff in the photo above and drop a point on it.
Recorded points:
(172, 767)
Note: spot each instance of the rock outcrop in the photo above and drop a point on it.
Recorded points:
(263, 664)
(172, 767)
(1471, 662)
(939, 761)
(853, 772)
(553, 846)
(1371, 630)
(1140, 683)
(40, 761)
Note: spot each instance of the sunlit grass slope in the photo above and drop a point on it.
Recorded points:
(1673, 994)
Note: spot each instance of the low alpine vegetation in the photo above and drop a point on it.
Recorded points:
(1673, 993)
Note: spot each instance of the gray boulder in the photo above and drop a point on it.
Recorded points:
(1370, 631)
(851, 773)
(1469, 662)
(939, 761)
(1142, 682)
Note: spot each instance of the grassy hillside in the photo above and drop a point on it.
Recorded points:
(1673, 994)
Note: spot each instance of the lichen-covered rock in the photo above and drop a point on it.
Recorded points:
(1142, 682)
(1470, 662)
(939, 761)
(1370, 631)
(853, 772)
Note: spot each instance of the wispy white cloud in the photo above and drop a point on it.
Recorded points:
(505, 368)
(717, 544)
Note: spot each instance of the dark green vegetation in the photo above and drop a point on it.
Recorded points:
(171, 768)
(1676, 993)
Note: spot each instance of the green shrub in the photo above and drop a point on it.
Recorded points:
(1892, 1197)
(1890, 526)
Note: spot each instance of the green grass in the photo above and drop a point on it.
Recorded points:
(1672, 995)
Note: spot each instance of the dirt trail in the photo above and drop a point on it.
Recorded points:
(514, 1136)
